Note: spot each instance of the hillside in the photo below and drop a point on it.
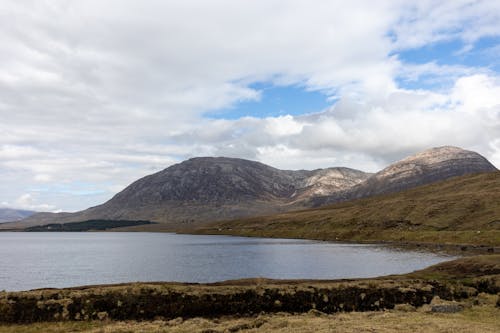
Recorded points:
(422, 168)
(205, 189)
(463, 210)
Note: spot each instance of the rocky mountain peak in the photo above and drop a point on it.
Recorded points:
(460, 160)
(205, 189)
(323, 182)
(440, 154)
(425, 167)
(209, 179)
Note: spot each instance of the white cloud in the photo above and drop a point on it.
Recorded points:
(283, 126)
(43, 178)
(428, 21)
(111, 91)
(371, 133)
(28, 202)
(476, 92)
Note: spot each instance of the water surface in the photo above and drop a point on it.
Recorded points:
(41, 260)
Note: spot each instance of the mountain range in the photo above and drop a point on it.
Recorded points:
(10, 214)
(206, 189)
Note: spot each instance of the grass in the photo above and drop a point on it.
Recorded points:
(480, 318)
(260, 305)
(463, 210)
(455, 280)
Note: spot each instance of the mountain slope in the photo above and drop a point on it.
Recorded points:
(425, 167)
(206, 189)
(10, 214)
(461, 210)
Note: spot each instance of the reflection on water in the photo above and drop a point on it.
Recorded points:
(40, 260)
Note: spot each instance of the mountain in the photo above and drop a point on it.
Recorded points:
(205, 189)
(422, 168)
(212, 188)
(461, 210)
(10, 214)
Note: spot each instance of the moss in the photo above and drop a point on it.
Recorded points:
(171, 301)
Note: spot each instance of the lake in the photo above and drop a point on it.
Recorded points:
(41, 260)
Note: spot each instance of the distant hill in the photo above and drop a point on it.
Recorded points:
(10, 214)
(462, 210)
(206, 189)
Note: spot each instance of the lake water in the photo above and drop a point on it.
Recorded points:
(40, 260)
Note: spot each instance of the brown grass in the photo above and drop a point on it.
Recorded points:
(483, 317)
(463, 210)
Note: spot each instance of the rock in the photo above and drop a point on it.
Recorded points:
(316, 313)
(447, 308)
(404, 307)
(175, 321)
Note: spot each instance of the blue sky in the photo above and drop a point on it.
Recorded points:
(456, 52)
(276, 101)
(115, 90)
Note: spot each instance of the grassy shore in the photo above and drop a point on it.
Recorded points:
(481, 317)
(467, 288)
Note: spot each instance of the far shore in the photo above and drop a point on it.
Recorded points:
(464, 249)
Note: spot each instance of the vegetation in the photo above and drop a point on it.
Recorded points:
(463, 210)
(465, 288)
(479, 318)
(87, 225)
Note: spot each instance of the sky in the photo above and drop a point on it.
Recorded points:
(96, 94)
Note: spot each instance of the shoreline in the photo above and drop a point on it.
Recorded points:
(449, 248)
(454, 280)
(464, 249)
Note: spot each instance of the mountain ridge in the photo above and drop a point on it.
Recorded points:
(205, 189)
(422, 168)
(209, 188)
(12, 214)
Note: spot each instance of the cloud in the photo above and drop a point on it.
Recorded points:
(426, 22)
(28, 202)
(370, 134)
(111, 91)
